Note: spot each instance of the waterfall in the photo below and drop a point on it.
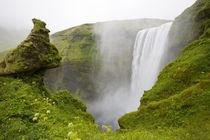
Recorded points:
(120, 90)
(149, 56)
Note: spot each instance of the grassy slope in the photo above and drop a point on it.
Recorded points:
(179, 101)
(181, 113)
(29, 111)
(76, 43)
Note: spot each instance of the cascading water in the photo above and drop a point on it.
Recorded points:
(119, 94)
(149, 56)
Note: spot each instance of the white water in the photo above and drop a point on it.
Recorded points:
(118, 96)
(149, 54)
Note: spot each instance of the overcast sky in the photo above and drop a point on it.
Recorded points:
(62, 14)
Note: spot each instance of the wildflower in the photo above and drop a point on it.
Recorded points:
(70, 124)
(70, 133)
(104, 127)
(48, 112)
(35, 118)
(77, 118)
(45, 118)
(107, 128)
(36, 115)
(73, 135)
(35, 100)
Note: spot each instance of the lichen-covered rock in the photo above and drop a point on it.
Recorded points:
(35, 53)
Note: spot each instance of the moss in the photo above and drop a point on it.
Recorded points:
(179, 99)
(24, 96)
(35, 53)
(192, 24)
(80, 55)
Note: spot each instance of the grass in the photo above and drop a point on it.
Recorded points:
(177, 107)
(30, 111)
(179, 100)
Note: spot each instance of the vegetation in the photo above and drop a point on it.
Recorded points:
(34, 53)
(179, 101)
(30, 111)
(80, 55)
(78, 49)
(177, 107)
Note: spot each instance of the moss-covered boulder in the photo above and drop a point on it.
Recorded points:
(35, 53)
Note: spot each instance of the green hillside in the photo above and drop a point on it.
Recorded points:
(177, 107)
(179, 101)
(30, 111)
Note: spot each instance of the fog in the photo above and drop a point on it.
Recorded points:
(115, 41)
(113, 80)
(62, 14)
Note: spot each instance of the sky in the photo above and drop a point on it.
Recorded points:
(63, 14)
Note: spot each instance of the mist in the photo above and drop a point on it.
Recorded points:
(115, 41)
(60, 15)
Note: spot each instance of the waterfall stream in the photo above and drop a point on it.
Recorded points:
(118, 96)
(149, 56)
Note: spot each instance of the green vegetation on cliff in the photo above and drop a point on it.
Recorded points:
(78, 49)
(179, 101)
(80, 54)
(29, 111)
(177, 107)
(77, 43)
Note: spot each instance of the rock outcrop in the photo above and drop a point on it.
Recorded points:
(35, 53)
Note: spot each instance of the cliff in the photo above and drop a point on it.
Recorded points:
(80, 49)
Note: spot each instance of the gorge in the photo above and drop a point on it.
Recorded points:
(118, 97)
(142, 79)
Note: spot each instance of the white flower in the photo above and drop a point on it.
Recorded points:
(45, 118)
(36, 115)
(70, 124)
(48, 112)
(70, 133)
(35, 118)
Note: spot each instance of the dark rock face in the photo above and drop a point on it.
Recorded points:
(35, 53)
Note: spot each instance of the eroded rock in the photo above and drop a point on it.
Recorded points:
(34, 53)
